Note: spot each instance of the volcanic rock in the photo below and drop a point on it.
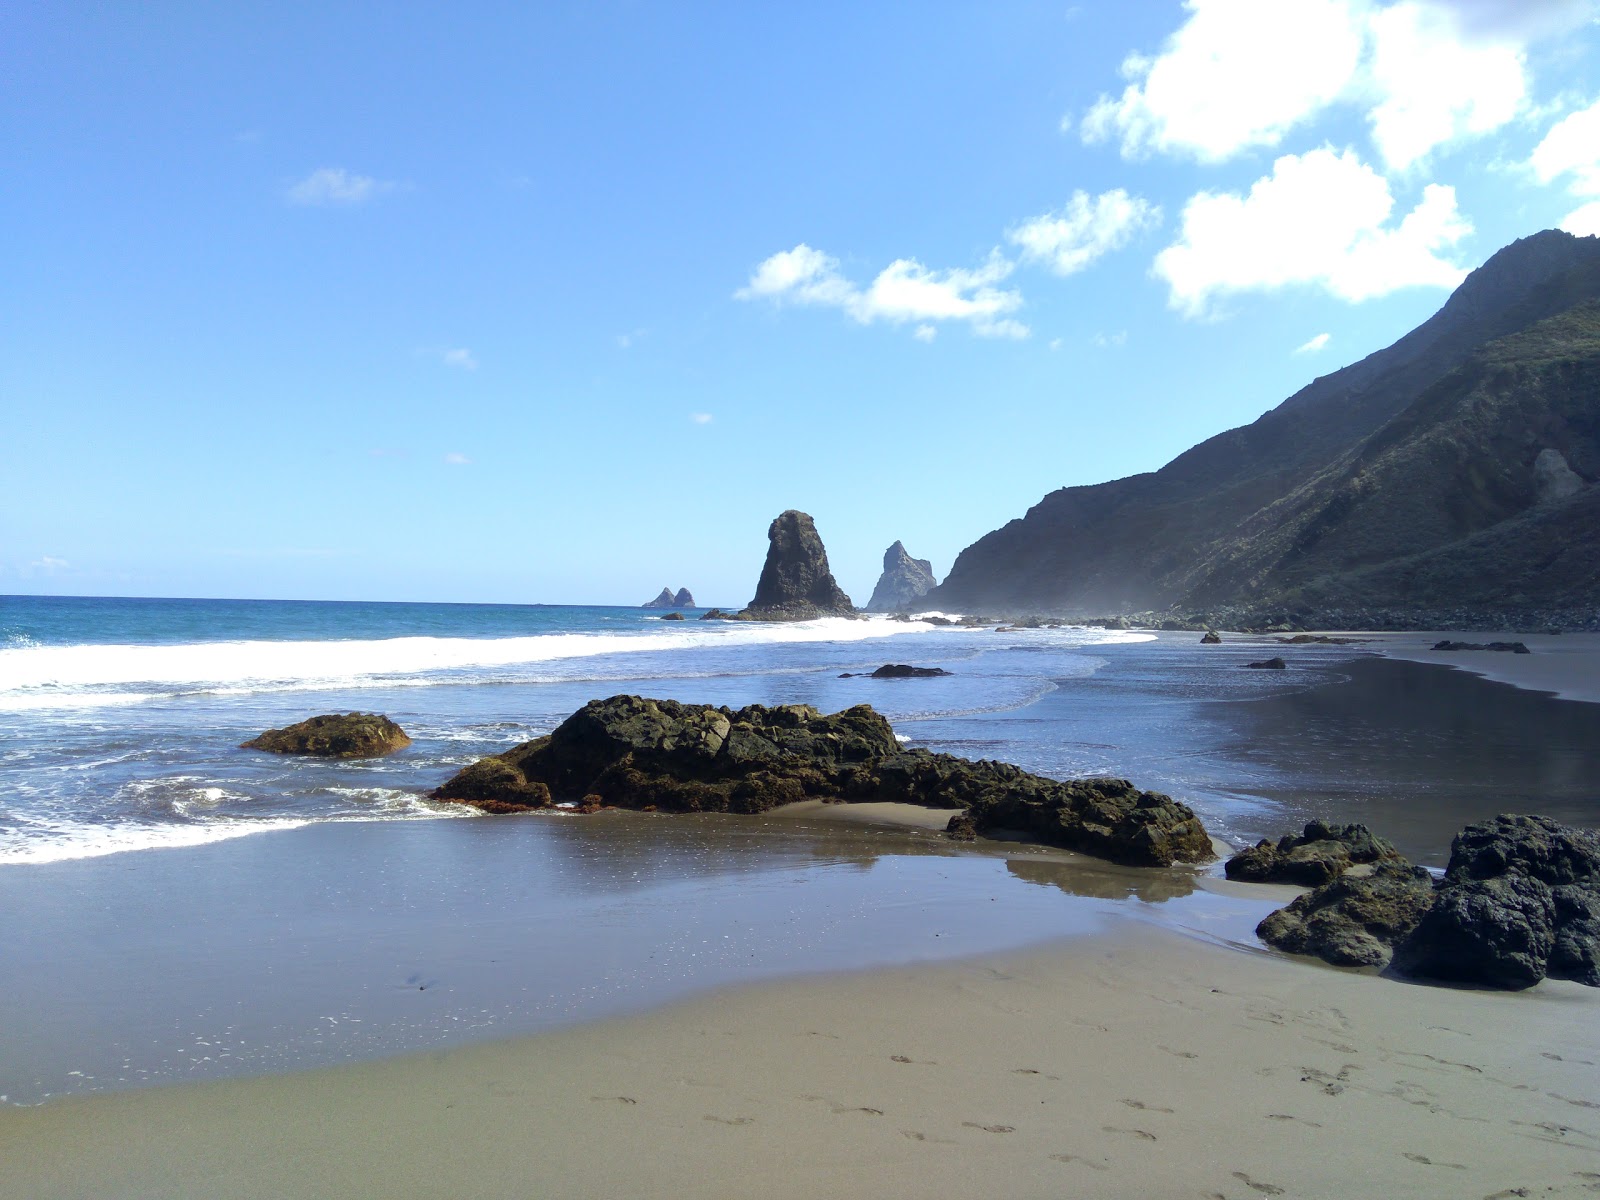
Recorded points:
(796, 584)
(672, 616)
(1502, 647)
(351, 735)
(664, 600)
(668, 600)
(684, 599)
(1269, 664)
(904, 580)
(1211, 638)
(631, 752)
(1355, 920)
(897, 671)
(1321, 853)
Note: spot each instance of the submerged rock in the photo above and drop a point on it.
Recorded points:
(672, 616)
(904, 580)
(1355, 920)
(1268, 664)
(1211, 638)
(350, 735)
(796, 584)
(1321, 853)
(897, 671)
(632, 752)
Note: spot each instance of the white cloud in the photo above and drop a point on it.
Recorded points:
(1572, 147)
(1438, 82)
(335, 185)
(1241, 74)
(457, 459)
(700, 418)
(1320, 219)
(1055, 344)
(1083, 230)
(1315, 344)
(1108, 341)
(925, 333)
(1236, 74)
(47, 564)
(461, 357)
(903, 291)
(1583, 221)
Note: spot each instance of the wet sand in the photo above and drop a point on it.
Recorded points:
(1136, 1064)
(1567, 665)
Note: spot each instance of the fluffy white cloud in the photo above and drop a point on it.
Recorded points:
(335, 185)
(1086, 228)
(1437, 80)
(1571, 148)
(1583, 221)
(1320, 219)
(1315, 344)
(1241, 74)
(1236, 74)
(903, 291)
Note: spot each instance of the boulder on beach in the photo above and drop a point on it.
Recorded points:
(1519, 902)
(904, 581)
(796, 583)
(1320, 853)
(335, 735)
(638, 753)
(1355, 920)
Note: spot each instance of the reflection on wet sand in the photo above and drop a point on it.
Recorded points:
(1105, 881)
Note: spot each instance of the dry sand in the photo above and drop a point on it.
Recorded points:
(1141, 1064)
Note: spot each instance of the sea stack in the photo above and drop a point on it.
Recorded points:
(796, 584)
(904, 580)
(667, 600)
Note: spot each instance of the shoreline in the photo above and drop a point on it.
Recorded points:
(1565, 665)
(1093, 1067)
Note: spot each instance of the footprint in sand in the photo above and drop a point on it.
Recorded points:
(1072, 1158)
(920, 1062)
(1032, 1071)
(989, 1128)
(1255, 1185)
(615, 1099)
(1287, 1117)
(835, 1107)
(1138, 1133)
(918, 1136)
(729, 1120)
(1509, 1193)
(1178, 1053)
(1143, 1107)
(1428, 1162)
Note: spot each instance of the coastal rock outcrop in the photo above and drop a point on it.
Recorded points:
(904, 580)
(334, 735)
(1320, 853)
(632, 752)
(1268, 664)
(1502, 647)
(669, 599)
(1355, 920)
(1519, 902)
(1211, 638)
(796, 584)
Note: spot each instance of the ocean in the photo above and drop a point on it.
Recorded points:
(180, 908)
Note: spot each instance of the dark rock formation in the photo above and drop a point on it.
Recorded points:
(796, 584)
(351, 735)
(1268, 664)
(1211, 638)
(1520, 901)
(1355, 920)
(672, 616)
(904, 580)
(1408, 481)
(667, 600)
(1502, 647)
(1318, 639)
(716, 614)
(1321, 853)
(637, 753)
(896, 671)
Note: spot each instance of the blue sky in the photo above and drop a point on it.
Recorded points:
(564, 303)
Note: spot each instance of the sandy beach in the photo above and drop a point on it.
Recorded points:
(1142, 1063)
(1567, 665)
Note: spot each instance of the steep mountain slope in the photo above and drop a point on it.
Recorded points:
(1211, 528)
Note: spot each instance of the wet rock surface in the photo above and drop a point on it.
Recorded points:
(1519, 902)
(897, 671)
(1354, 921)
(1501, 647)
(632, 752)
(1317, 855)
(334, 735)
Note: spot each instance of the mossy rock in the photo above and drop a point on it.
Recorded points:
(334, 735)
